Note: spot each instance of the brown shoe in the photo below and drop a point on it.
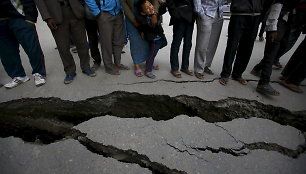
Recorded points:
(199, 76)
(223, 81)
(291, 86)
(176, 74)
(208, 71)
(187, 71)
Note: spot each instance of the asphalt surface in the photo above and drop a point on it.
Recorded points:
(183, 144)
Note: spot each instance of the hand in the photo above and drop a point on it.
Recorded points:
(271, 36)
(142, 35)
(51, 24)
(154, 20)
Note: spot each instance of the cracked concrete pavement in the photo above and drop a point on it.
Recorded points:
(117, 133)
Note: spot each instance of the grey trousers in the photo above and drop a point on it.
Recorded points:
(208, 34)
(111, 29)
(76, 28)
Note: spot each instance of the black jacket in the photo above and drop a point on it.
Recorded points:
(181, 10)
(145, 27)
(7, 10)
(250, 6)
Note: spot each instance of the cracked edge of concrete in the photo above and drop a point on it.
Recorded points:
(47, 120)
(189, 81)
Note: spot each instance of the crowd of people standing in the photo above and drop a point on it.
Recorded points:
(110, 22)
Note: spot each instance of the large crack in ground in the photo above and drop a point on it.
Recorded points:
(46, 120)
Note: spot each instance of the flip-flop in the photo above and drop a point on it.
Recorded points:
(176, 74)
(223, 81)
(267, 89)
(187, 71)
(199, 76)
(138, 73)
(150, 75)
(291, 86)
(122, 67)
(240, 80)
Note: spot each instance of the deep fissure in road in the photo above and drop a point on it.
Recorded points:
(46, 120)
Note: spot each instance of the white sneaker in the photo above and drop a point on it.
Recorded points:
(39, 79)
(16, 81)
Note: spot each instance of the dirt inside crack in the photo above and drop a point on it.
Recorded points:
(46, 120)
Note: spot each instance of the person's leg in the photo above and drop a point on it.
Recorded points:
(93, 40)
(106, 28)
(118, 38)
(9, 51)
(214, 40)
(298, 74)
(61, 37)
(178, 34)
(204, 29)
(187, 45)
(270, 53)
(155, 46)
(27, 36)
(235, 29)
(245, 47)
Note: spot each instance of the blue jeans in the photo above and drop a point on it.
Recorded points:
(12, 33)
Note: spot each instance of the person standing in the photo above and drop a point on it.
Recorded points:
(139, 48)
(296, 69)
(92, 30)
(242, 31)
(17, 27)
(111, 27)
(182, 19)
(65, 18)
(209, 26)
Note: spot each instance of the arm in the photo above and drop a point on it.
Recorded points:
(93, 7)
(129, 13)
(198, 7)
(271, 23)
(42, 7)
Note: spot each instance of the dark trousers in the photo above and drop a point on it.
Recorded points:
(295, 70)
(155, 45)
(12, 33)
(111, 29)
(71, 26)
(271, 49)
(296, 23)
(242, 31)
(93, 39)
(181, 30)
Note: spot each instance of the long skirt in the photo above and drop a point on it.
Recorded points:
(139, 48)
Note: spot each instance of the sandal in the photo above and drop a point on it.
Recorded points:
(155, 67)
(199, 76)
(187, 71)
(150, 75)
(138, 73)
(267, 89)
(240, 80)
(176, 74)
(223, 81)
(122, 67)
(208, 71)
(291, 86)
(112, 72)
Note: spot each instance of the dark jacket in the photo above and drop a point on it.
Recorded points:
(250, 6)
(7, 10)
(145, 27)
(181, 10)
